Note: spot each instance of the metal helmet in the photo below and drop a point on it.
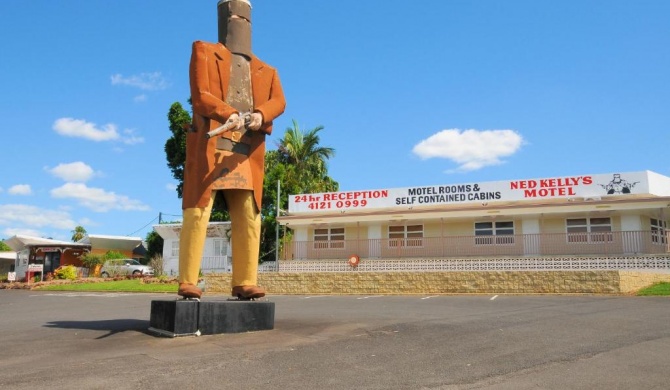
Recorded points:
(235, 25)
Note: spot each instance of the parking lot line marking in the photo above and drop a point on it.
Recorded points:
(494, 297)
(432, 296)
(370, 296)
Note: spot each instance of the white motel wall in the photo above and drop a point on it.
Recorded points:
(614, 214)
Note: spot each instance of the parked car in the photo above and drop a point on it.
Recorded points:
(124, 267)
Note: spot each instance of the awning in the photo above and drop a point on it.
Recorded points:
(120, 243)
(20, 242)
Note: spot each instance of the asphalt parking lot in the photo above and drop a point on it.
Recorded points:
(100, 341)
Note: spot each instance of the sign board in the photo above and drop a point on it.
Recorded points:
(35, 267)
(11, 276)
(584, 186)
(49, 249)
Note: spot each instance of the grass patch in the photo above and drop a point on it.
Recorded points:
(661, 288)
(115, 285)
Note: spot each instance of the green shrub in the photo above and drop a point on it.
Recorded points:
(113, 255)
(90, 260)
(66, 272)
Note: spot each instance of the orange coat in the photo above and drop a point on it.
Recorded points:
(209, 76)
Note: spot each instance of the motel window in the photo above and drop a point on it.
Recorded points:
(659, 231)
(329, 238)
(498, 232)
(175, 249)
(584, 230)
(405, 235)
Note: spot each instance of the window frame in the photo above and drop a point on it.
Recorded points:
(589, 231)
(497, 235)
(329, 238)
(222, 244)
(659, 231)
(405, 236)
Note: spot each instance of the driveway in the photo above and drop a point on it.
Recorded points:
(100, 341)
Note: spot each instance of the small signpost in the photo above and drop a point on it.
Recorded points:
(33, 269)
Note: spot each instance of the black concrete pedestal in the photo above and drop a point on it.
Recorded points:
(193, 318)
(174, 318)
(236, 316)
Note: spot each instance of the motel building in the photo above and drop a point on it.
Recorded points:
(591, 221)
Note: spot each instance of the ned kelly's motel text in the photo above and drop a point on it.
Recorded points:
(614, 214)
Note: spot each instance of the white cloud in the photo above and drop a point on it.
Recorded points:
(87, 222)
(471, 149)
(97, 199)
(130, 138)
(153, 81)
(20, 189)
(21, 232)
(140, 98)
(171, 187)
(70, 127)
(34, 217)
(76, 171)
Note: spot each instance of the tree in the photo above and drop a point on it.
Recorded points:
(4, 247)
(154, 244)
(78, 233)
(309, 159)
(175, 147)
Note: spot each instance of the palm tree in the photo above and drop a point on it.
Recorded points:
(302, 151)
(78, 233)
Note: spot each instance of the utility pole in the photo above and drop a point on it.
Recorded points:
(277, 224)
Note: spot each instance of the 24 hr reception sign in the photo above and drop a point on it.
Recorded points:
(513, 190)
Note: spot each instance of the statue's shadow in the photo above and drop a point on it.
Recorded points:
(112, 327)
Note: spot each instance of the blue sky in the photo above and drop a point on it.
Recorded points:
(409, 93)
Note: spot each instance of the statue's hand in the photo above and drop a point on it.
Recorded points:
(238, 122)
(256, 121)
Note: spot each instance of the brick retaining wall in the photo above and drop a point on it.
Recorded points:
(475, 282)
